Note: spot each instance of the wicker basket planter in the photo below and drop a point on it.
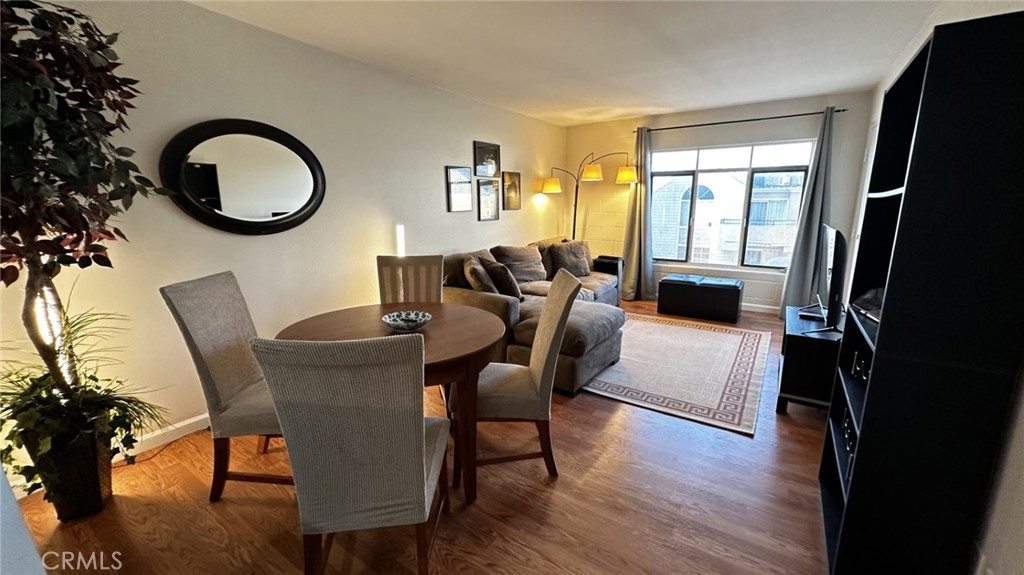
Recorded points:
(83, 484)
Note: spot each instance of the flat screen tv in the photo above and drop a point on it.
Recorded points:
(831, 275)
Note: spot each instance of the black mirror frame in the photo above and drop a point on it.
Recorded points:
(177, 150)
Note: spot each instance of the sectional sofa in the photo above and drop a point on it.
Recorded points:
(520, 277)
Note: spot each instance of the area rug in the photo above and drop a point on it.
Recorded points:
(711, 374)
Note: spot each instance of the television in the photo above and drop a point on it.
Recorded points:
(831, 275)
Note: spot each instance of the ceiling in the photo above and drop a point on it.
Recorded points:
(571, 63)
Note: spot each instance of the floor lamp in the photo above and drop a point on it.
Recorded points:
(588, 171)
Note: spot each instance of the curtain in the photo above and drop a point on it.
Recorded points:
(638, 265)
(802, 277)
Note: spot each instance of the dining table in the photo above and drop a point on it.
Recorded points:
(458, 343)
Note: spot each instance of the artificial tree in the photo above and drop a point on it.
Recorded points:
(62, 180)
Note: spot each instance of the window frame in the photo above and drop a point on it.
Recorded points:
(745, 231)
(747, 200)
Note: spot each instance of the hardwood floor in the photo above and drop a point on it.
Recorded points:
(639, 492)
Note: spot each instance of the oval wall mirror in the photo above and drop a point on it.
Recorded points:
(242, 176)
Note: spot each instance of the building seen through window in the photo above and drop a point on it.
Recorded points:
(747, 203)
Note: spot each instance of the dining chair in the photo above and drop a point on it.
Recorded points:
(510, 392)
(409, 278)
(215, 322)
(363, 454)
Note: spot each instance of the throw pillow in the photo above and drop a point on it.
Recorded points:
(523, 261)
(545, 256)
(503, 279)
(572, 257)
(477, 276)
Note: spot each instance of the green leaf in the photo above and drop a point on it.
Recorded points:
(102, 260)
(84, 262)
(95, 248)
(144, 181)
(125, 152)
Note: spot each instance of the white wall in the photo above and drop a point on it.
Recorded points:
(602, 206)
(383, 142)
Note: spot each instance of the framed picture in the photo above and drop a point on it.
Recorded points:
(487, 159)
(459, 182)
(511, 199)
(487, 200)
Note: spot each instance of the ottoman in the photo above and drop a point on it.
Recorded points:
(592, 342)
(717, 299)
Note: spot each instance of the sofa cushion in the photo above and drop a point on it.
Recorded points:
(543, 287)
(589, 324)
(502, 279)
(477, 276)
(454, 267)
(572, 257)
(523, 261)
(600, 283)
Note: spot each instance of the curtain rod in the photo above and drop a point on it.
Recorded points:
(840, 110)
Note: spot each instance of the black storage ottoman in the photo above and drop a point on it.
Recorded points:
(702, 297)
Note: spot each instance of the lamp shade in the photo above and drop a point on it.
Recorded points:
(626, 175)
(551, 186)
(592, 173)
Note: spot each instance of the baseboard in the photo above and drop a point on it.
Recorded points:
(151, 440)
(760, 308)
(165, 435)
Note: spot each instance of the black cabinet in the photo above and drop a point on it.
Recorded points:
(926, 385)
(808, 363)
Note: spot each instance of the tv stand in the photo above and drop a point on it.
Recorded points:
(807, 366)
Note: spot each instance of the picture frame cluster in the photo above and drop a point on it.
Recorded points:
(492, 184)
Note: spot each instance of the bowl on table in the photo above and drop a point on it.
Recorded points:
(406, 320)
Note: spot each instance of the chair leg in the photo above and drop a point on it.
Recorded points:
(456, 463)
(544, 430)
(443, 481)
(422, 548)
(263, 444)
(312, 547)
(221, 457)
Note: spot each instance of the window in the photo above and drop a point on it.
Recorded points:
(746, 208)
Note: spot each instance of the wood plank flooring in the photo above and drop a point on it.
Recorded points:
(639, 492)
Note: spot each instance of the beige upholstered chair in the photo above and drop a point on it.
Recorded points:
(409, 278)
(508, 392)
(363, 454)
(215, 322)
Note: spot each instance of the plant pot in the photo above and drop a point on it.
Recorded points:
(83, 482)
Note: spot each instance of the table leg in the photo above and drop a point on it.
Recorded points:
(467, 433)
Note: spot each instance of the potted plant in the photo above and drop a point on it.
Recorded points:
(62, 181)
(71, 437)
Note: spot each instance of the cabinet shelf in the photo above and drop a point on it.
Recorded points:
(842, 457)
(855, 391)
(886, 193)
(867, 327)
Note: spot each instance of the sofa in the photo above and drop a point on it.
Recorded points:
(520, 277)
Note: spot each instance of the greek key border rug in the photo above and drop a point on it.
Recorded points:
(708, 373)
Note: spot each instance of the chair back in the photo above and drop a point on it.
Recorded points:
(351, 413)
(409, 278)
(551, 329)
(215, 322)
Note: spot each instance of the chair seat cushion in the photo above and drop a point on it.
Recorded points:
(589, 324)
(506, 391)
(250, 412)
(435, 443)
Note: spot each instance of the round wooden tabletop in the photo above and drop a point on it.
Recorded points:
(453, 332)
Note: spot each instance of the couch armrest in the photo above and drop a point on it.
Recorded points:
(610, 265)
(504, 306)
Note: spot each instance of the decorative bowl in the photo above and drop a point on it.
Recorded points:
(406, 320)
